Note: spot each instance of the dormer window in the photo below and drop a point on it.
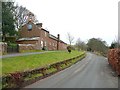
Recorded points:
(45, 34)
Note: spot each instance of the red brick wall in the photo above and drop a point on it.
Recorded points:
(44, 36)
(36, 31)
(52, 44)
(62, 46)
(27, 47)
(27, 42)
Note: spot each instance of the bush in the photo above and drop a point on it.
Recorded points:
(12, 44)
(69, 49)
(44, 48)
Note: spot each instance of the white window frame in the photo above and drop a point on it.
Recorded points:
(45, 34)
(50, 43)
(42, 44)
(45, 43)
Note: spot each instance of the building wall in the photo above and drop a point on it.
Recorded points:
(35, 32)
(35, 44)
(44, 39)
(23, 47)
(52, 44)
(62, 46)
(27, 42)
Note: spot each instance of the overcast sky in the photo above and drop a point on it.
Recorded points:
(81, 18)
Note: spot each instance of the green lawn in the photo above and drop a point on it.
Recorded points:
(27, 51)
(21, 63)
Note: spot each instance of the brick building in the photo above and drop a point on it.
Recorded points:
(34, 37)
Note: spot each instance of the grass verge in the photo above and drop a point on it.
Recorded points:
(23, 63)
(26, 51)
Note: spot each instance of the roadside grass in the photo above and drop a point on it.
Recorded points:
(23, 63)
(48, 71)
(1, 85)
(33, 76)
(26, 51)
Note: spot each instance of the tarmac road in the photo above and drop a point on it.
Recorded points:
(23, 54)
(92, 72)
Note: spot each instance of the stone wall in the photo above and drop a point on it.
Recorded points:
(28, 47)
(3, 48)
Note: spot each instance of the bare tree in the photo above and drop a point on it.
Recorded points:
(21, 16)
(80, 45)
(117, 41)
(70, 38)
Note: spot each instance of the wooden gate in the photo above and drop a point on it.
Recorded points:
(13, 49)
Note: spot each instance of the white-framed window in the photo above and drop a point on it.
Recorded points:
(42, 44)
(45, 43)
(45, 34)
(50, 43)
(39, 27)
(53, 44)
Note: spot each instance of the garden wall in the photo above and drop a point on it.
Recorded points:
(3, 48)
(28, 47)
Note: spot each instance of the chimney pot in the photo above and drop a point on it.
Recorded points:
(39, 24)
(58, 36)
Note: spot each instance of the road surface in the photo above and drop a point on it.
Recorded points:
(92, 72)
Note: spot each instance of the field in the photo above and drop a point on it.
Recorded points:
(23, 63)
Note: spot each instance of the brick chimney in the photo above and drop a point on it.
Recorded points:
(58, 41)
(39, 24)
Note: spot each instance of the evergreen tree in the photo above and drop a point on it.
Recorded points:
(8, 21)
(114, 45)
(96, 44)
